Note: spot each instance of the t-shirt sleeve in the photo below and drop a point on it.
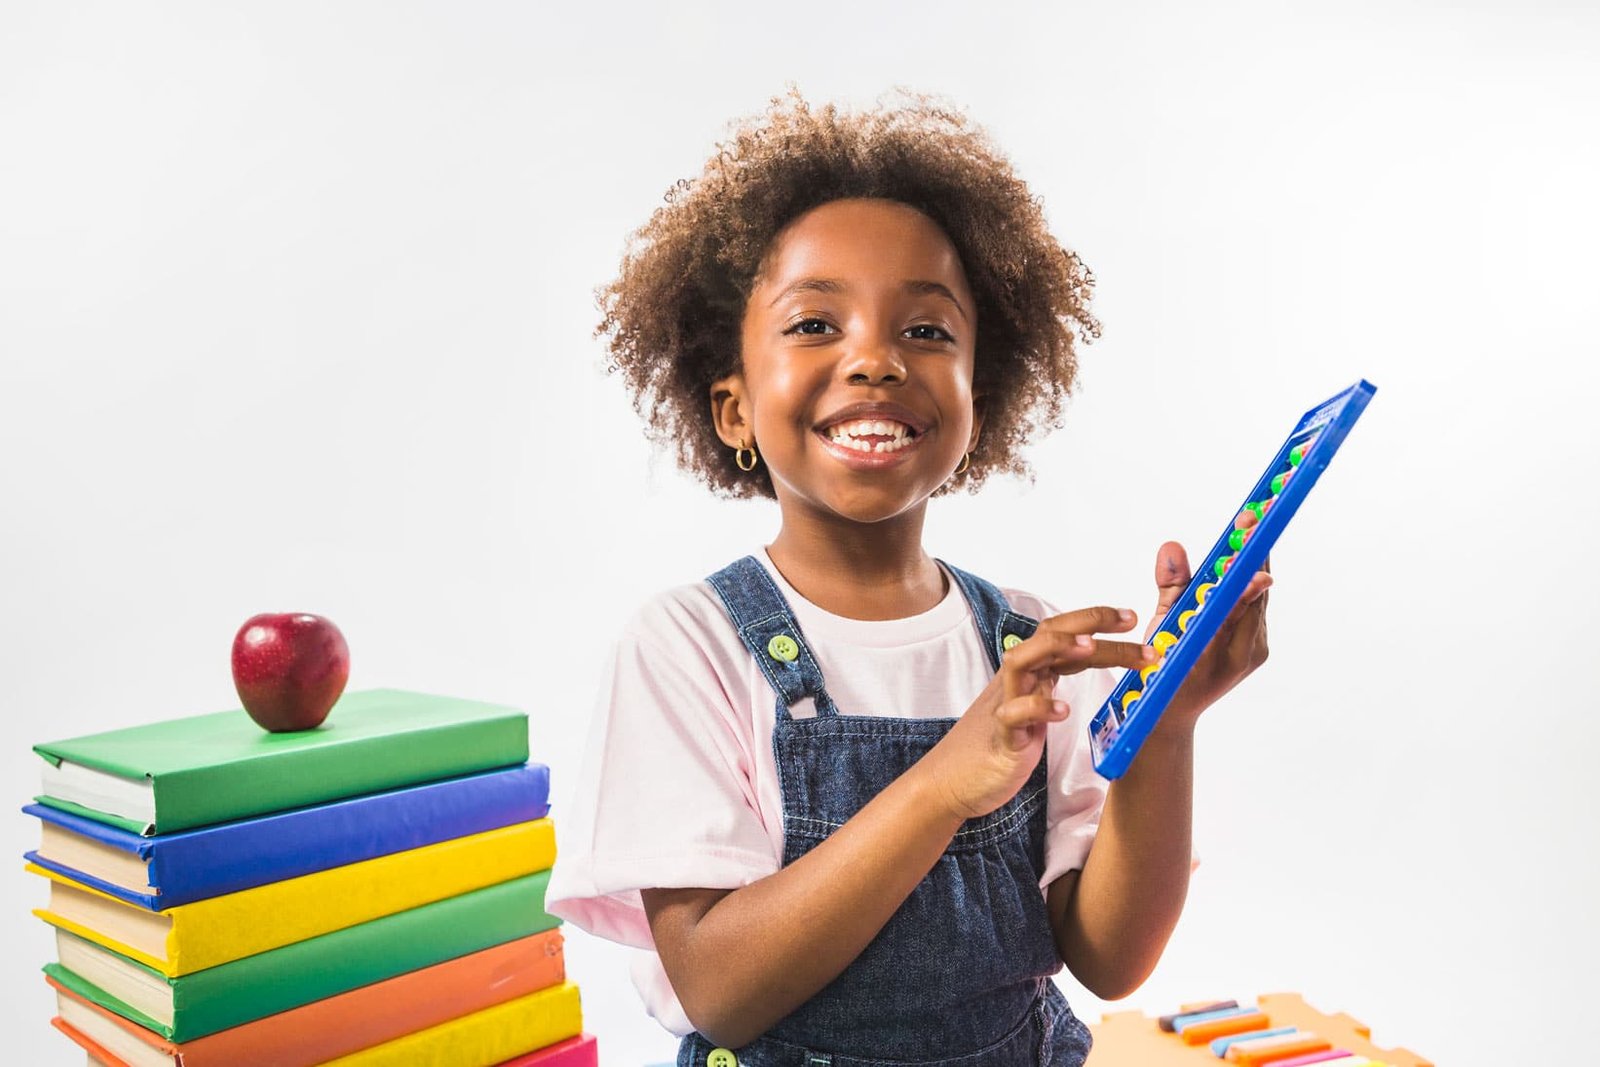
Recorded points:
(664, 796)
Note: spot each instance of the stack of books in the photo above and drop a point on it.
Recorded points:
(369, 892)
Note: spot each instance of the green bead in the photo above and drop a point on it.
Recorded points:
(1236, 540)
(1257, 509)
(1296, 454)
(1220, 567)
(1277, 482)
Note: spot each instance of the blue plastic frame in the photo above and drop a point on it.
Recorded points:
(1115, 734)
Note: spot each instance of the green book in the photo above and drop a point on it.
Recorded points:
(175, 775)
(181, 1009)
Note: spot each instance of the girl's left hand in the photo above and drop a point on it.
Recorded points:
(1239, 645)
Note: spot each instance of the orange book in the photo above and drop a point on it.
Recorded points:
(338, 1026)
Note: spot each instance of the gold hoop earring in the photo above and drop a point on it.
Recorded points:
(966, 461)
(739, 454)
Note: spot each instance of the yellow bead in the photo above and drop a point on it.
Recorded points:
(1129, 697)
(1144, 675)
(1183, 621)
(1204, 591)
(1163, 641)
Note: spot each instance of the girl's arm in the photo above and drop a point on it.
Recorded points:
(1112, 920)
(740, 960)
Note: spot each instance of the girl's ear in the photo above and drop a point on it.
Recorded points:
(729, 405)
(980, 404)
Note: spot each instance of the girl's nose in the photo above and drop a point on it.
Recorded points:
(872, 361)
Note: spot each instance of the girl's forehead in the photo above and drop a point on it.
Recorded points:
(862, 241)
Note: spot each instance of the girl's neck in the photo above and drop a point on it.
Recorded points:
(860, 571)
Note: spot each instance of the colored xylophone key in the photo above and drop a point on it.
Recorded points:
(1246, 1020)
(1220, 1046)
(1205, 1015)
(1265, 1050)
(1166, 1021)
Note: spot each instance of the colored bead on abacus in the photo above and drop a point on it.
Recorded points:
(1280, 480)
(1129, 697)
(1163, 641)
(1203, 592)
(1144, 675)
(1183, 620)
(1221, 566)
(1256, 508)
(1237, 538)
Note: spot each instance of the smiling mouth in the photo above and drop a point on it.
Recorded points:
(871, 435)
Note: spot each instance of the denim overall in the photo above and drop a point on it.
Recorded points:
(960, 974)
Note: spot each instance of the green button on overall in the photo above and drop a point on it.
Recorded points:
(781, 647)
(1010, 641)
(721, 1057)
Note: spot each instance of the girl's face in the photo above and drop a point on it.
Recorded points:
(855, 382)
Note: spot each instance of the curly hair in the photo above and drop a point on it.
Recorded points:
(674, 312)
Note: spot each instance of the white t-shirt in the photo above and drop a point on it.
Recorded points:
(679, 787)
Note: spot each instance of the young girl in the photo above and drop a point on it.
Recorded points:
(840, 792)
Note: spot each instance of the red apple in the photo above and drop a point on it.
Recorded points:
(289, 669)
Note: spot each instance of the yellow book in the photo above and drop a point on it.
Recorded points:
(483, 1038)
(206, 933)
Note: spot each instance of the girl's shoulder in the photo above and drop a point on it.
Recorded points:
(689, 613)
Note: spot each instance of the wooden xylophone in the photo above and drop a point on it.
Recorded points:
(1280, 1030)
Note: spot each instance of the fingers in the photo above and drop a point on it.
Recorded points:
(1057, 651)
(1172, 578)
(1032, 710)
(1099, 620)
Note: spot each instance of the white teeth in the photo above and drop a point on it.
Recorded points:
(843, 433)
(869, 446)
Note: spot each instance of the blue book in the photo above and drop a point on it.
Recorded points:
(167, 870)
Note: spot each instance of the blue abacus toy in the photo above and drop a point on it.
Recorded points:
(1130, 712)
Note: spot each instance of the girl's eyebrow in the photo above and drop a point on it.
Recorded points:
(832, 285)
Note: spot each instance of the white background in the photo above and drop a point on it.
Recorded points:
(296, 312)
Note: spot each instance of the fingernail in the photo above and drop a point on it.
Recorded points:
(1125, 615)
(1061, 707)
(1147, 653)
(1084, 639)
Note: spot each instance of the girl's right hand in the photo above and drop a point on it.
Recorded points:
(990, 751)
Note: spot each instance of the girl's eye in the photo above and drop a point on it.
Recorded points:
(812, 326)
(928, 332)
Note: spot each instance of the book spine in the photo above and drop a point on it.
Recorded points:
(490, 1036)
(371, 1015)
(270, 982)
(577, 1051)
(242, 855)
(299, 777)
(212, 932)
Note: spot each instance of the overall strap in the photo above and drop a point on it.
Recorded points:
(998, 626)
(769, 630)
